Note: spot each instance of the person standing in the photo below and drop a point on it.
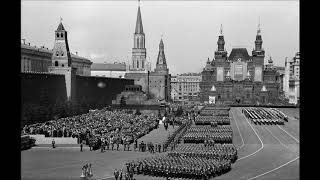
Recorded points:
(136, 144)
(81, 146)
(118, 144)
(116, 174)
(53, 143)
(120, 177)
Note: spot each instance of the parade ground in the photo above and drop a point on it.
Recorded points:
(264, 152)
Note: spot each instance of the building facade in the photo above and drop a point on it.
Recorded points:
(291, 83)
(114, 70)
(185, 87)
(239, 78)
(155, 83)
(39, 59)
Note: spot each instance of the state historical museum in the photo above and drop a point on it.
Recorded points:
(239, 78)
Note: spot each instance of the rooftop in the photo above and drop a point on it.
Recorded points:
(241, 52)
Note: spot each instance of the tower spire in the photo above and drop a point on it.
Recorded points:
(139, 27)
(221, 32)
(259, 29)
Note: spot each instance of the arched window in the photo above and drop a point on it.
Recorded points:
(58, 35)
(137, 64)
(62, 65)
(57, 54)
(137, 42)
(142, 64)
(56, 63)
(61, 35)
(61, 54)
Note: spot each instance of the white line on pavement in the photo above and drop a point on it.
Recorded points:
(238, 131)
(274, 169)
(282, 164)
(277, 139)
(289, 134)
(259, 140)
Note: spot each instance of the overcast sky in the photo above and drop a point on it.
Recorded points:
(103, 30)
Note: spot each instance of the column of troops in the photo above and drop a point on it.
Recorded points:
(200, 134)
(208, 153)
(262, 116)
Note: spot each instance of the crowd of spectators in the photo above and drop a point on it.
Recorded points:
(117, 125)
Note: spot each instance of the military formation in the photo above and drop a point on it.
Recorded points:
(211, 120)
(183, 166)
(206, 151)
(209, 151)
(199, 134)
(264, 116)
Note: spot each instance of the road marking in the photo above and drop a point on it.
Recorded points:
(274, 169)
(289, 134)
(282, 164)
(238, 131)
(278, 139)
(258, 138)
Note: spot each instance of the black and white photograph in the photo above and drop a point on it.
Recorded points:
(160, 90)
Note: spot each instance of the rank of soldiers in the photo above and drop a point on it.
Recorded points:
(267, 116)
(216, 151)
(184, 166)
(198, 134)
(208, 120)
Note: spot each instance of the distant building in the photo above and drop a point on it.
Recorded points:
(239, 78)
(116, 70)
(39, 59)
(291, 83)
(185, 87)
(157, 82)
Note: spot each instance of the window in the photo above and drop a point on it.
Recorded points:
(57, 54)
(58, 35)
(62, 54)
(56, 63)
(62, 35)
(142, 64)
(137, 64)
(62, 65)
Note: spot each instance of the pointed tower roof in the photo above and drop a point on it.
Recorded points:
(161, 56)
(139, 27)
(161, 43)
(60, 27)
